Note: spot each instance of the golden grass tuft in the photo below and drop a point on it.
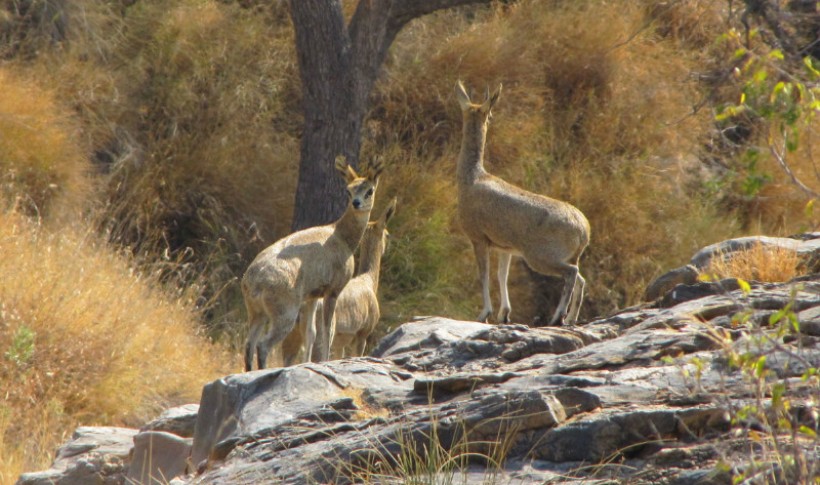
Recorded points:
(43, 166)
(364, 409)
(758, 263)
(86, 340)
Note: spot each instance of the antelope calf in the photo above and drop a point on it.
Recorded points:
(309, 265)
(357, 309)
(549, 234)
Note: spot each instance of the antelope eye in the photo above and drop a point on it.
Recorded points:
(369, 193)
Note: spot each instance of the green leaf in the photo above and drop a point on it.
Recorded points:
(776, 317)
(760, 366)
(810, 66)
(744, 286)
(776, 54)
(807, 431)
(778, 88)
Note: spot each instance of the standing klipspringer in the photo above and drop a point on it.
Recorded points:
(549, 234)
(357, 309)
(311, 264)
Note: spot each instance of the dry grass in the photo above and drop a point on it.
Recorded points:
(86, 340)
(43, 165)
(364, 411)
(758, 263)
(178, 123)
(192, 111)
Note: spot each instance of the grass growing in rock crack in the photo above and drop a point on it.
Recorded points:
(429, 450)
(775, 423)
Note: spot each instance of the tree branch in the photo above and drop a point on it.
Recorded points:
(403, 11)
(782, 161)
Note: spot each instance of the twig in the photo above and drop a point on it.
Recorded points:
(782, 161)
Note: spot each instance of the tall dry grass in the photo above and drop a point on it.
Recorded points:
(86, 339)
(43, 163)
(191, 110)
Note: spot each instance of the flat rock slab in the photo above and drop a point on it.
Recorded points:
(248, 404)
(158, 457)
(180, 420)
(94, 455)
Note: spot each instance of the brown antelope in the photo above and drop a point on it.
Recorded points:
(309, 265)
(549, 234)
(357, 309)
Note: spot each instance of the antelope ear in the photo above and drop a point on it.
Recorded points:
(462, 96)
(374, 169)
(391, 209)
(491, 99)
(346, 170)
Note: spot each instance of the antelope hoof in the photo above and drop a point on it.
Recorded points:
(504, 315)
(484, 316)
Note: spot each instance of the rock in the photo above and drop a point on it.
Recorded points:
(425, 333)
(253, 403)
(94, 455)
(91, 469)
(180, 421)
(439, 343)
(807, 246)
(158, 457)
(643, 396)
(685, 275)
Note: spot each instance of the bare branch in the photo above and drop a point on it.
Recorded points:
(403, 11)
(781, 160)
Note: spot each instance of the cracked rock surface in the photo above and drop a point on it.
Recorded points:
(643, 396)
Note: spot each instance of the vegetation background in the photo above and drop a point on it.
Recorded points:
(149, 149)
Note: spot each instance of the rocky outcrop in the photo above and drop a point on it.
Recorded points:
(93, 456)
(806, 246)
(645, 396)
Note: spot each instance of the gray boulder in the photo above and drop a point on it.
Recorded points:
(158, 457)
(93, 456)
(180, 420)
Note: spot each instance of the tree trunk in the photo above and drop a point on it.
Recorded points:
(338, 67)
(322, 46)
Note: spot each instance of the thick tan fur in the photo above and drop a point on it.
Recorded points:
(357, 309)
(549, 234)
(309, 265)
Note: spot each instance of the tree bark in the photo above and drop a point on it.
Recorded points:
(339, 65)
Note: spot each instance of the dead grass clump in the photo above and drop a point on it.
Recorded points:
(202, 156)
(691, 23)
(43, 167)
(758, 263)
(364, 411)
(85, 339)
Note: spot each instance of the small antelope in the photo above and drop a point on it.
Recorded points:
(357, 309)
(549, 234)
(309, 265)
